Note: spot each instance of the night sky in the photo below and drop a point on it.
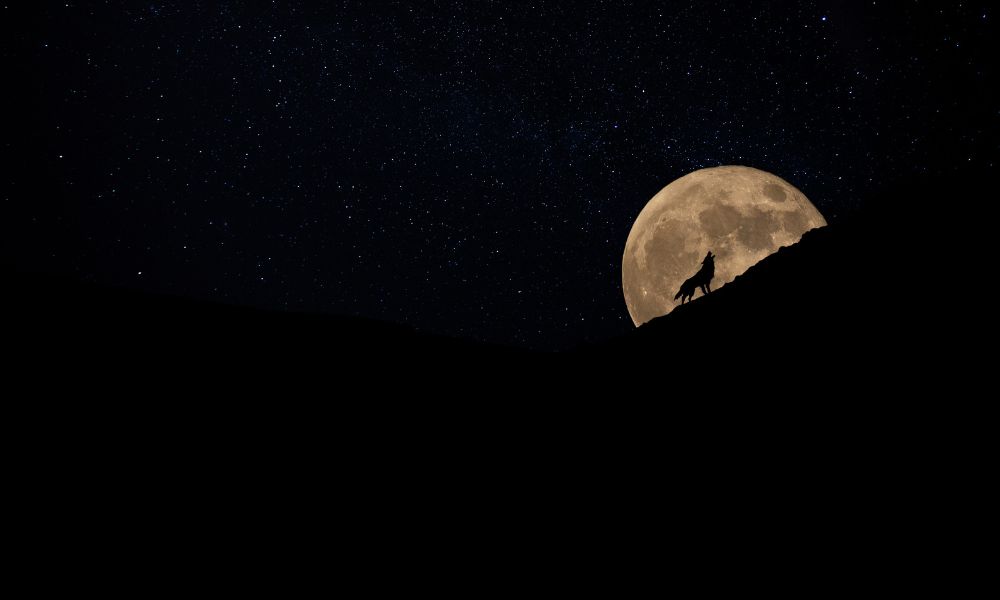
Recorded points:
(471, 169)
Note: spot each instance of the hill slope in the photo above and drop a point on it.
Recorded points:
(862, 291)
(845, 300)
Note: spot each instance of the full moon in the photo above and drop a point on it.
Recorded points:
(741, 214)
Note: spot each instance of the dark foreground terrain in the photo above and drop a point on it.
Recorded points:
(804, 427)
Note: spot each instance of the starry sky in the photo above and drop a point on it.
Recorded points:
(468, 168)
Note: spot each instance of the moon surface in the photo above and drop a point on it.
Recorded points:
(741, 214)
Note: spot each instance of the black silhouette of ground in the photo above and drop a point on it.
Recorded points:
(780, 412)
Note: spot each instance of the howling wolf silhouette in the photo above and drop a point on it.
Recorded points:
(702, 279)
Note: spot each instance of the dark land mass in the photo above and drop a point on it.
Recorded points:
(819, 400)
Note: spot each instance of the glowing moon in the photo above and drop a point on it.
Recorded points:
(740, 214)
